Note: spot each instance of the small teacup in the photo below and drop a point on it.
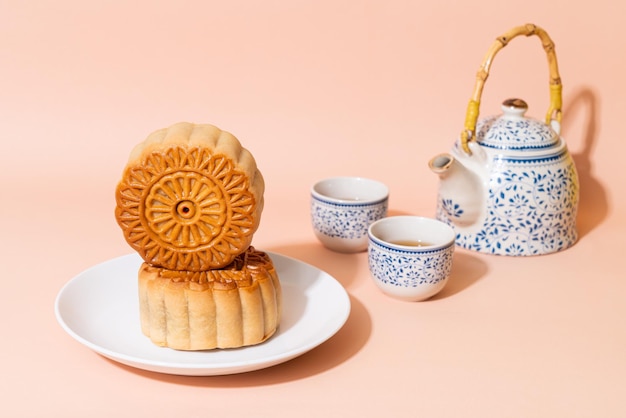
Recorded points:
(410, 257)
(342, 208)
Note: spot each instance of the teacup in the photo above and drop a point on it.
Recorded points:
(410, 257)
(342, 208)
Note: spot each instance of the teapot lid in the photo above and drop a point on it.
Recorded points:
(513, 131)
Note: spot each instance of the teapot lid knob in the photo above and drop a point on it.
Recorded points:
(515, 108)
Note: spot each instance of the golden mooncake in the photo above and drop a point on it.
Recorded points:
(190, 198)
(239, 305)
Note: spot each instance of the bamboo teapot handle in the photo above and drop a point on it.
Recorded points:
(554, 112)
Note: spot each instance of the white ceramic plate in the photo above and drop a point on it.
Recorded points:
(100, 309)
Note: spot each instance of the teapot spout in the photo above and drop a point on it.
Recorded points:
(461, 194)
(441, 164)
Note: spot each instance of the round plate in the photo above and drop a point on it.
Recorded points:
(100, 309)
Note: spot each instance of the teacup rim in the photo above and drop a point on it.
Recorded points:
(346, 202)
(350, 202)
(450, 242)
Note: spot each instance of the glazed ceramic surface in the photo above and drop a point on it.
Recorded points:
(509, 186)
(100, 309)
(410, 258)
(342, 208)
(516, 194)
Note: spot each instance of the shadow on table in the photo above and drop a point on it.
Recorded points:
(343, 267)
(467, 269)
(580, 129)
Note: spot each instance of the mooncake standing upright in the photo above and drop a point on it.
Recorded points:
(189, 202)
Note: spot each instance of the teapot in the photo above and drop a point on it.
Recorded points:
(509, 185)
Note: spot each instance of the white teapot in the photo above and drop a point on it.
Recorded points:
(509, 185)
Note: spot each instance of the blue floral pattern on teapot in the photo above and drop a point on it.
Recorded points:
(515, 194)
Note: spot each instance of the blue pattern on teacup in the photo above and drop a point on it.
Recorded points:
(407, 268)
(514, 134)
(532, 209)
(345, 220)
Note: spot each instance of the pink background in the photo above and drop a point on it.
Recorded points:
(314, 89)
